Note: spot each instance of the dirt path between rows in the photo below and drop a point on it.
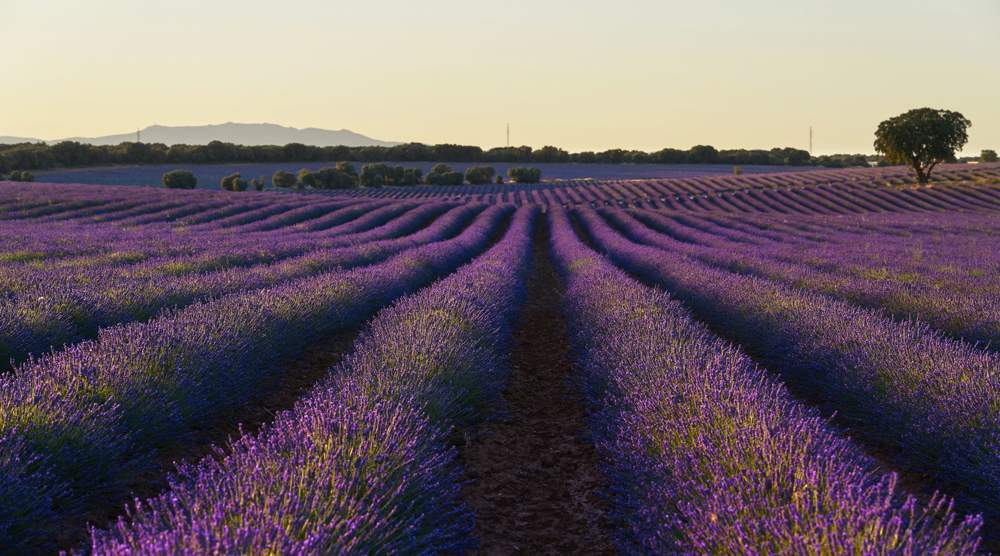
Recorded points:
(534, 479)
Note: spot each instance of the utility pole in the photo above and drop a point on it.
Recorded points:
(138, 138)
(508, 134)
(810, 140)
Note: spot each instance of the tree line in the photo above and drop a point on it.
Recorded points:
(344, 176)
(38, 156)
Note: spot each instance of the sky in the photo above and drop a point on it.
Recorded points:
(579, 74)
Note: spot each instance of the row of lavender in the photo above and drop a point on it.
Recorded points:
(79, 427)
(369, 444)
(927, 404)
(710, 455)
(814, 192)
(707, 453)
(946, 279)
(48, 307)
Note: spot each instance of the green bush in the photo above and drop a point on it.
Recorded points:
(988, 155)
(525, 175)
(411, 176)
(499, 179)
(179, 179)
(479, 175)
(233, 182)
(442, 174)
(332, 178)
(284, 179)
(375, 175)
(19, 175)
(259, 183)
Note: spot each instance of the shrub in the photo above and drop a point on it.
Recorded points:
(411, 176)
(441, 169)
(19, 175)
(445, 178)
(525, 175)
(737, 170)
(499, 179)
(259, 183)
(332, 178)
(375, 175)
(179, 179)
(233, 182)
(479, 175)
(347, 168)
(442, 174)
(306, 177)
(284, 179)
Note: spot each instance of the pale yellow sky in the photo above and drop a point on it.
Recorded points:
(578, 74)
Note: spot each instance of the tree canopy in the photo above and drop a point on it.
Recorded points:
(922, 138)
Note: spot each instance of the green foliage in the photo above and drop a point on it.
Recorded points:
(375, 175)
(550, 154)
(346, 168)
(332, 178)
(922, 138)
(179, 179)
(259, 183)
(233, 182)
(18, 175)
(442, 174)
(440, 169)
(525, 175)
(305, 178)
(411, 176)
(499, 179)
(703, 154)
(988, 155)
(343, 176)
(284, 179)
(479, 175)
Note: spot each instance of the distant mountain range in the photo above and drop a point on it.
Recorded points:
(241, 134)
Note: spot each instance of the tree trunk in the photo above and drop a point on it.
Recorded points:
(921, 176)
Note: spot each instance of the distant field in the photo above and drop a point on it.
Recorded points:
(210, 174)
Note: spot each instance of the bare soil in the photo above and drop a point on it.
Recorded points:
(534, 478)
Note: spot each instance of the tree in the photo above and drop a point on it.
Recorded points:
(988, 155)
(21, 175)
(703, 154)
(233, 182)
(284, 179)
(525, 175)
(179, 179)
(259, 183)
(922, 138)
(330, 178)
(375, 175)
(306, 177)
(442, 174)
(479, 175)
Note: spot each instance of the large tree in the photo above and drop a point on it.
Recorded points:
(922, 138)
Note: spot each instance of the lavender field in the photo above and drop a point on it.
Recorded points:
(794, 362)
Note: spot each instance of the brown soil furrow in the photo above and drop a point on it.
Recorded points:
(534, 477)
